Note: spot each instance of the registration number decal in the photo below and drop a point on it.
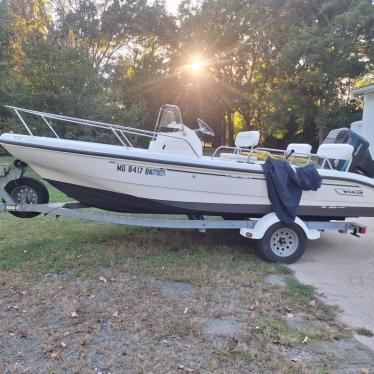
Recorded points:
(135, 169)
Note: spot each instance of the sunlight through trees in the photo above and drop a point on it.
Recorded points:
(284, 67)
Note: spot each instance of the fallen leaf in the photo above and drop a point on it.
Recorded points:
(74, 314)
(116, 314)
(55, 356)
(23, 333)
(79, 256)
(306, 340)
(63, 345)
(84, 343)
(23, 292)
(24, 251)
(294, 360)
(66, 333)
(91, 329)
(102, 279)
(185, 311)
(181, 367)
(112, 279)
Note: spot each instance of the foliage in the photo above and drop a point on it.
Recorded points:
(285, 67)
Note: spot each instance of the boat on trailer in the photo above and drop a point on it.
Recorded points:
(171, 175)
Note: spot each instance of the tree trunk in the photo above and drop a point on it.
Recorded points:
(230, 130)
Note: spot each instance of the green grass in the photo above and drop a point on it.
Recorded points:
(47, 244)
(219, 264)
(301, 291)
(364, 332)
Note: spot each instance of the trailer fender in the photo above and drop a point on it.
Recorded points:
(263, 224)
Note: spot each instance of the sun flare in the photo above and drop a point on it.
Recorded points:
(196, 65)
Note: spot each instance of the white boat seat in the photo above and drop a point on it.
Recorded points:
(243, 141)
(342, 152)
(246, 139)
(300, 148)
(335, 151)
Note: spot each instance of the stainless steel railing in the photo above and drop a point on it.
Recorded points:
(120, 132)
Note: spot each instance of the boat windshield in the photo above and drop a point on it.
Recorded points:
(169, 119)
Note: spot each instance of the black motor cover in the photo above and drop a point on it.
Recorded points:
(362, 162)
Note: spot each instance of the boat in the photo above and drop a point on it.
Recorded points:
(166, 172)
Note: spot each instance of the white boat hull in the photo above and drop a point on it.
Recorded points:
(137, 180)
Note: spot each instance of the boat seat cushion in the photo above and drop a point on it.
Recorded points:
(335, 151)
(300, 148)
(247, 139)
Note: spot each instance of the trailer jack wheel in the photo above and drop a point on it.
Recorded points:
(27, 191)
(283, 243)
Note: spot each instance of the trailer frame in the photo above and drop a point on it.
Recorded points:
(251, 228)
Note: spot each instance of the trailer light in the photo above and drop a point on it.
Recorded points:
(362, 230)
(248, 235)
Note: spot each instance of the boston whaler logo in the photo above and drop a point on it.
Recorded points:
(349, 191)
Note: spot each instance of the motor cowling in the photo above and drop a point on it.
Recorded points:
(362, 162)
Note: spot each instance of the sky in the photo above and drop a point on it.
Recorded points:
(172, 5)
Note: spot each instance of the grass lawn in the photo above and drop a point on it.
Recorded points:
(81, 296)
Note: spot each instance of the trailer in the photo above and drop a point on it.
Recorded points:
(276, 241)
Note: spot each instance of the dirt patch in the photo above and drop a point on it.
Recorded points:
(175, 288)
(276, 279)
(304, 322)
(228, 325)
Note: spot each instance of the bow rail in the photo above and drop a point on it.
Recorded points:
(118, 131)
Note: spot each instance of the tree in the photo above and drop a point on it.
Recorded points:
(285, 67)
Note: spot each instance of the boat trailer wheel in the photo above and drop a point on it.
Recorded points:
(24, 195)
(283, 243)
(27, 191)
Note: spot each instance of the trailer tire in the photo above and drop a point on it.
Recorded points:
(29, 191)
(282, 243)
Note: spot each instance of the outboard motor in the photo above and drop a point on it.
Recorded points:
(362, 162)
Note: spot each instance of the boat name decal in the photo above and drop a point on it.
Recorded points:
(349, 191)
(134, 169)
